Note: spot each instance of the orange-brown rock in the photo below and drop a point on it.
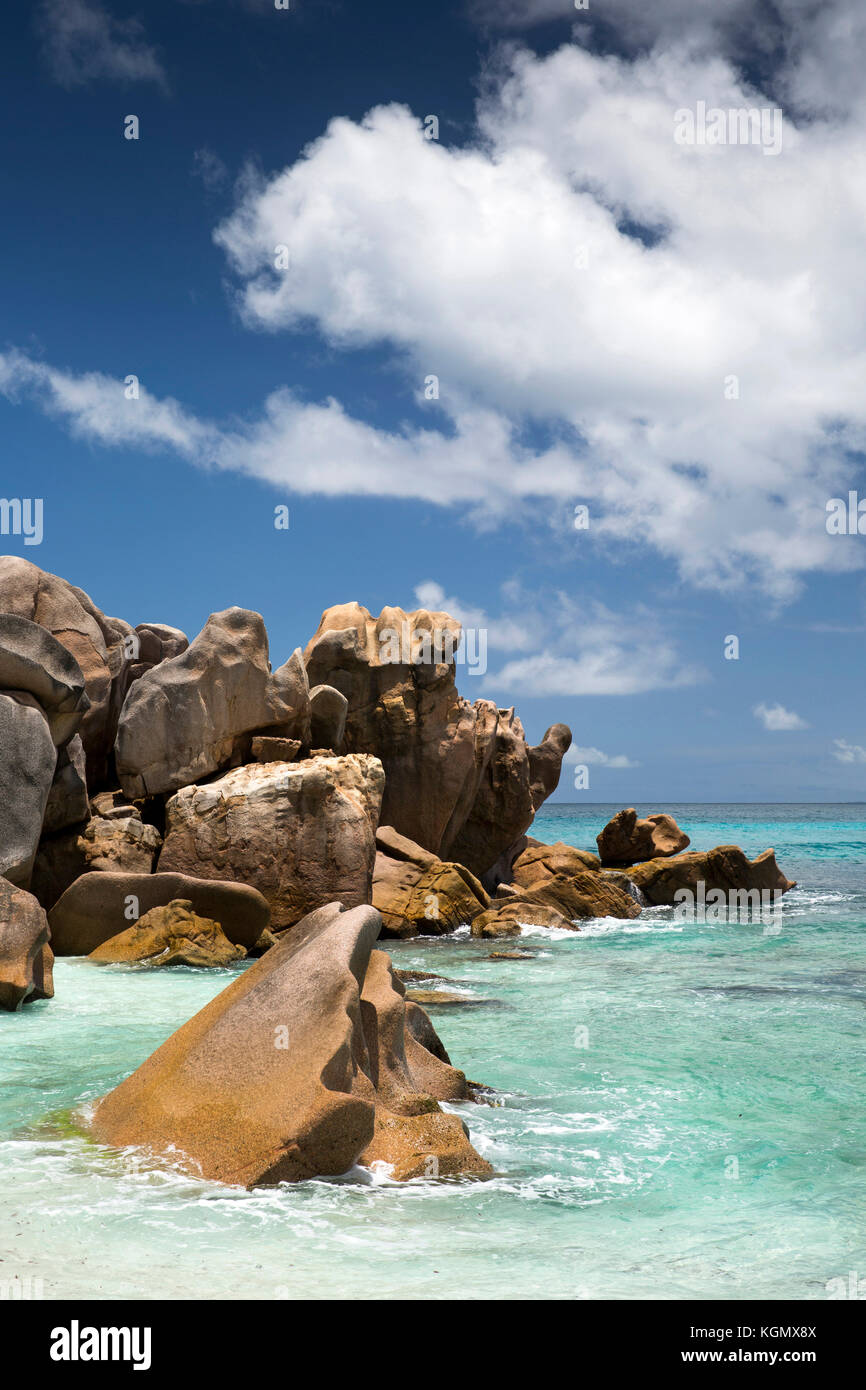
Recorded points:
(418, 894)
(301, 1067)
(26, 958)
(557, 901)
(516, 913)
(120, 844)
(170, 935)
(629, 840)
(726, 867)
(538, 862)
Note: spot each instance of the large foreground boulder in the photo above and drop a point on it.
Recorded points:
(98, 906)
(726, 867)
(170, 935)
(629, 840)
(300, 832)
(418, 894)
(296, 1070)
(460, 778)
(26, 959)
(195, 713)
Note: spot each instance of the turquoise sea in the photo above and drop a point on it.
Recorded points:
(681, 1113)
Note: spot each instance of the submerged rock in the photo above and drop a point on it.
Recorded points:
(559, 900)
(26, 959)
(302, 833)
(628, 840)
(170, 935)
(98, 906)
(726, 867)
(303, 1066)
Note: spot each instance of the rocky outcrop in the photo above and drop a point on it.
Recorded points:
(301, 1067)
(33, 660)
(726, 867)
(102, 647)
(418, 894)
(508, 918)
(301, 833)
(628, 840)
(195, 713)
(26, 959)
(538, 862)
(98, 906)
(570, 897)
(28, 758)
(460, 779)
(42, 704)
(170, 935)
(120, 844)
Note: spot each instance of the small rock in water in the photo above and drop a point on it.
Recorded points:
(511, 955)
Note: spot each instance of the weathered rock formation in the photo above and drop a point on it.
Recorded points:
(98, 906)
(195, 713)
(418, 894)
(538, 862)
(170, 935)
(628, 840)
(28, 758)
(120, 844)
(572, 897)
(726, 867)
(303, 1066)
(460, 779)
(102, 648)
(299, 832)
(26, 959)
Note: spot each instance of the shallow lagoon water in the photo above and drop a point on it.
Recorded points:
(680, 1114)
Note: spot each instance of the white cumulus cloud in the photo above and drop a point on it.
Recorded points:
(777, 719)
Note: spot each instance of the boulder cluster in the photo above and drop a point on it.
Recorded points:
(167, 802)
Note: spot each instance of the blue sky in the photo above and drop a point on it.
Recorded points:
(559, 384)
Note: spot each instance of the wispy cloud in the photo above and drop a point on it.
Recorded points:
(82, 42)
(845, 752)
(594, 757)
